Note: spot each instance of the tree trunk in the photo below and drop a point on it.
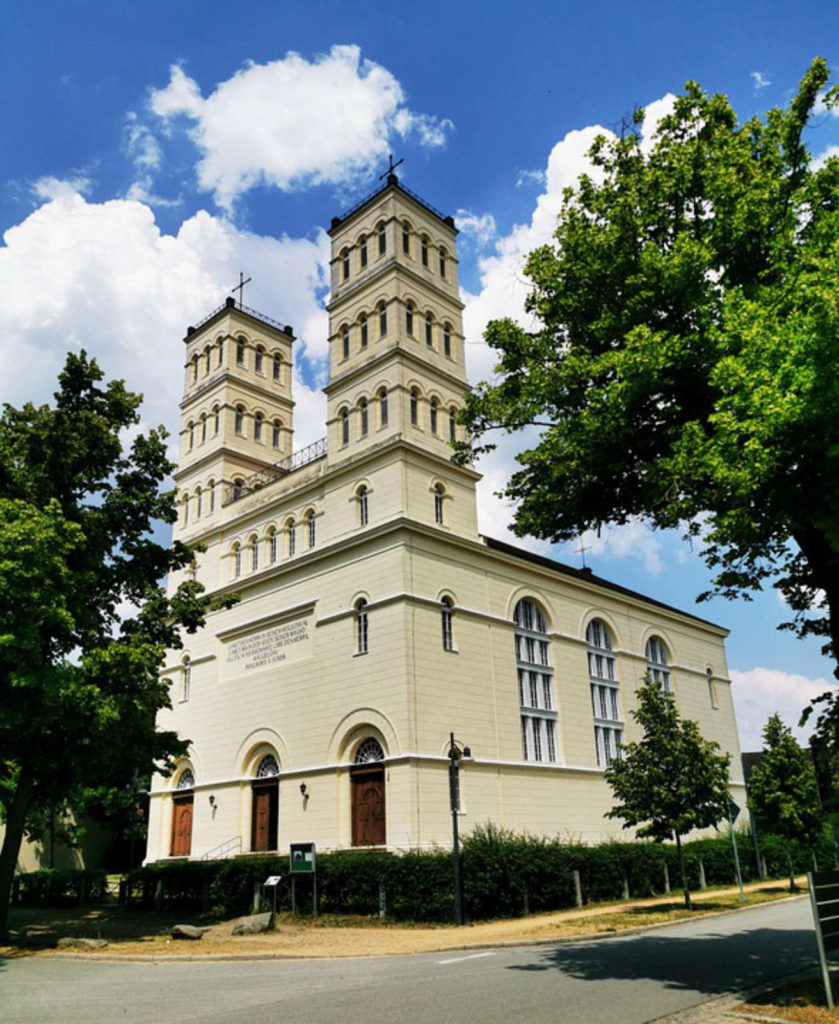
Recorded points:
(682, 871)
(16, 813)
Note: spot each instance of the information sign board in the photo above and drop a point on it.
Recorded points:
(302, 858)
(824, 900)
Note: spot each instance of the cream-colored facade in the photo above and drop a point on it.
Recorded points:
(374, 620)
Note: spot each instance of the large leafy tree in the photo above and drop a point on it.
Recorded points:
(670, 782)
(783, 794)
(685, 367)
(79, 684)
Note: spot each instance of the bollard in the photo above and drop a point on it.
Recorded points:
(625, 887)
(702, 883)
(578, 889)
(382, 901)
(666, 878)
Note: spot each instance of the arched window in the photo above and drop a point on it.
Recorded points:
(414, 407)
(712, 689)
(406, 238)
(257, 426)
(345, 264)
(194, 369)
(276, 427)
(186, 683)
(238, 487)
(409, 318)
(344, 418)
(186, 780)
(191, 429)
(291, 530)
(220, 347)
(272, 546)
(429, 332)
(260, 355)
(442, 262)
(363, 326)
(197, 502)
(446, 623)
(361, 633)
(367, 799)
(424, 250)
(535, 677)
(278, 369)
(447, 340)
(185, 507)
(369, 750)
(345, 343)
(383, 407)
(382, 319)
(211, 495)
(432, 415)
(362, 251)
(268, 767)
(207, 355)
(265, 796)
(311, 528)
(439, 491)
(239, 422)
(254, 546)
(182, 808)
(240, 351)
(363, 419)
(382, 238)
(237, 561)
(605, 697)
(452, 424)
(658, 664)
(362, 495)
(216, 420)
(203, 427)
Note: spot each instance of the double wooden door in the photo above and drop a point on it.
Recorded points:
(368, 805)
(181, 844)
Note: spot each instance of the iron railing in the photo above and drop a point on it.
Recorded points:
(311, 453)
(229, 848)
(372, 195)
(286, 328)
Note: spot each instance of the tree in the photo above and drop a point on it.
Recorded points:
(673, 781)
(783, 794)
(79, 685)
(685, 368)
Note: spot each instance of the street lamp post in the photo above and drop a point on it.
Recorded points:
(455, 753)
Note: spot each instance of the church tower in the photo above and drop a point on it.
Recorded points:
(236, 413)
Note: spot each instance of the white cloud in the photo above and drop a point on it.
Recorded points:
(536, 177)
(102, 276)
(630, 540)
(56, 188)
(293, 123)
(820, 160)
(761, 692)
(480, 227)
(141, 144)
(760, 80)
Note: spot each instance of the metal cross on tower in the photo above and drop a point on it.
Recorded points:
(241, 286)
(581, 551)
(392, 167)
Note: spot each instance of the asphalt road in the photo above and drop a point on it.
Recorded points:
(628, 980)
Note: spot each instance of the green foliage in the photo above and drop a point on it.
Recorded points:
(685, 367)
(79, 686)
(61, 888)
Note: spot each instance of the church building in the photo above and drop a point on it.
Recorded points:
(374, 620)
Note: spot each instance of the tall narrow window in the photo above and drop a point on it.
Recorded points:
(414, 408)
(216, 419)
(239, 422)
(211, 495)
(191, 429)
(220, 346)
(185, 507)
(254, 553)
(446, 623)
(278, 367)
(260, 355)
(203, 427)
(345, 343)
(442, 262)
(257, 426)
(311, 528)
(535, 679)
(345, 427)
(363, 323)
(272, 546)
(383, 407)
(198, 502)
(237, 561)
(382, 319)
(238, 488)
(345, 264)
(276, 428)
(382, 239)
(447, 340)
(362, 639)
(186, 682)
(409, 318)
(438, 504)
(207, 360)
(658, 664)
(429, 334)
(240, 352)
(424, 250)
(712, 689)
(362, 416)
(194, 369)
(363, 506)
(362, 251)
(406, 238)
(452, 424)
(432, 415)
(605, 695)
(292, 537)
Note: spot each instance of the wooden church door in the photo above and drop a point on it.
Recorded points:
(264, 816)
(182, 825)
(368, 805)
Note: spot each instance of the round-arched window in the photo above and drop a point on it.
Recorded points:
(267, 767)
(186, 779)
(369, 750)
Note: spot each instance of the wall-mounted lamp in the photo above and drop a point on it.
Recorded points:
(212, 800)
(303, 791)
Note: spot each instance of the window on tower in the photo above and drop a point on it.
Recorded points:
(362, 495)
(276, 429)
(442, 262)
(363, 417)
(439, 492)
(361, 626)
(383, 407)
(414, 407)
(446, 615)
(362, 251)
(257, 426)
(291, 531)
(452, 424)
(239, 421)
(409, 318)
(260, 355)
(345, 427)
(429, 330)
(406, 238)
(424, 250)
(240, 352)
(447, 340)
(345, 343)
(272, 546)
(432, 415)
(363, 324)
(382, 319)
(278, 365)
(345, 264)
(382, 238)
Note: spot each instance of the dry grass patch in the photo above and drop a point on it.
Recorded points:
(802, 1002)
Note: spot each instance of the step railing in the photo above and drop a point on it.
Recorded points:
(229, 848)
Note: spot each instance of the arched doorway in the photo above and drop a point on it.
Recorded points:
(182, 804)
(265, 802)
(367, 781)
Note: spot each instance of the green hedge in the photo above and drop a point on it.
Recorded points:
(60, 888)
(503, 874)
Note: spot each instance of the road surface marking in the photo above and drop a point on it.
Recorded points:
(460, 959)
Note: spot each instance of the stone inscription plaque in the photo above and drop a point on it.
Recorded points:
(289, 641)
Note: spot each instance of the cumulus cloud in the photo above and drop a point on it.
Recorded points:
(480, 227)
(761, 692)
(760, 80)
(56, 188)
(294, 123)
(104, 277)
(534, 177)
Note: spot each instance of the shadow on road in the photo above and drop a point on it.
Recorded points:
(711, 963)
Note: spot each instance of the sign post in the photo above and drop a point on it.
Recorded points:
(824, 901)
(302, 861)
(271, 884)
(733, 811)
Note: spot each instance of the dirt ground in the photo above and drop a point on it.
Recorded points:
(136, 933)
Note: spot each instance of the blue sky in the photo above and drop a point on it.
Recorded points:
(151, 151)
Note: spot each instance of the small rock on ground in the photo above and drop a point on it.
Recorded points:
(186, 931)
(253, 925)
(73, 942)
